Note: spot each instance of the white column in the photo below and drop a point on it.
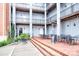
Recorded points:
(58, 19)
(30, 19)
(14, 17)
(45, 20)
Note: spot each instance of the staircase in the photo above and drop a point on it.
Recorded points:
(45, 49)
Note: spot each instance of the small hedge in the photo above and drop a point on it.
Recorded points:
(17, 39)
(23, 36)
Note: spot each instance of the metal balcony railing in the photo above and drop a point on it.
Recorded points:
(23, 5)
(70, 10)
(27, 5)
(34, 5)
(38, 21)
(22, 20)
(26, 20)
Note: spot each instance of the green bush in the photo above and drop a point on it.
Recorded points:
(3, 43)
(25, 36)
(17, 38)
(6, 42)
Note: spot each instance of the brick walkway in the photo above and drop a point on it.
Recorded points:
(62, 47)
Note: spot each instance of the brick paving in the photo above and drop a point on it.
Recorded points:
(72, 50)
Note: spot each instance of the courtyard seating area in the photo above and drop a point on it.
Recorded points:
(62, 38)
(69, 39)
(58, 48)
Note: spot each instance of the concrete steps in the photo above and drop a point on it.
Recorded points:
(40, 49)
(45, 49)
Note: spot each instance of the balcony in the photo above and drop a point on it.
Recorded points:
(50, 5)
(22, 20)
(38, 21)
(38, 7)
(69, 10)
(22, 5)
(52, 19)
(27, 21)
(27, 6)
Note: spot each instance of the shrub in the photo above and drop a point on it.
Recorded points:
(17, 38)
(3, 43)
(6, 42)
(25, 36)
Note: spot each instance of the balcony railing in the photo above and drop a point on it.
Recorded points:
(27, 20)
(70, 10)
(27, 5)
(40, 6)
(22, 20)
(23, 5)
(38, 21)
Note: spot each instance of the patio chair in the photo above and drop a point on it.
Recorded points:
(69, 39)
(54, 38)
(62, 37)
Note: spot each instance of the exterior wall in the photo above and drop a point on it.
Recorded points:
(21, 15)
(37, 30)
(53, 12)
(1, 19)
(51, 17)
(25, 29)
(68, 27)
(4, 20)
(69, 9)
(66, 8)
(7, 18)
(51, 30)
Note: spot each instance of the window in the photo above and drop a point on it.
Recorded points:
(74, 24)
(67, 25)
